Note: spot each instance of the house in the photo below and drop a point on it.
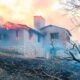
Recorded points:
(21, 38)
(56, 39)
(42, 41)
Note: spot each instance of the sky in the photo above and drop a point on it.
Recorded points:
(22, 11)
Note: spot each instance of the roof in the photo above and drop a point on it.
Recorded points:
(13, 26)
(57, 27)
(10, 25)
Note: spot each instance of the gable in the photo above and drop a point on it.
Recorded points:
(55, 28)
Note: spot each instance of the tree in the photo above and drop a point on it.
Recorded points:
(72, 56)
(72, 8)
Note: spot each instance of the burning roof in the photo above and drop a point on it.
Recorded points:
(10, 25)
(14, 26)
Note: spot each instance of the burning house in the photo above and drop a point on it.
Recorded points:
(42, 41)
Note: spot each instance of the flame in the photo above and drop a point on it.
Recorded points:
(15, 10)
(22, 11)
(56, 6)
(39, 13)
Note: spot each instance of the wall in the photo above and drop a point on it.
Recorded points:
(33, 48)
(29, 47)
(59, 44)
(11, 41)
(62, 36)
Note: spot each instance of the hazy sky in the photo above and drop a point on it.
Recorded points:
(22, 11)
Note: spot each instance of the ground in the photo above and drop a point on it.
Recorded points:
(15, 68)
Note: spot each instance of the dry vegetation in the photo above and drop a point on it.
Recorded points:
(40, 70)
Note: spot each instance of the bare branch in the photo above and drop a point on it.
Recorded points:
(73, 57)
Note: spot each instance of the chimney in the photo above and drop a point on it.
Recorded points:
(39, 22)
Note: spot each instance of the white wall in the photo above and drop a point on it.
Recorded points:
(28, 47)
(11, 42)
(62, 36)
(58, 43)
(33, 48)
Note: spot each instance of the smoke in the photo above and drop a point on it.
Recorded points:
(22, 11)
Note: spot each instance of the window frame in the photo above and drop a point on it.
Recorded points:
(30, 34)
(18, 34)
(54, 35)
(39, 38)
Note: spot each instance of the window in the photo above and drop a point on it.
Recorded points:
(54, 35)
(30, 34)
(4, 36)
(39, 38)
(68, 38)
(0, 36)
(18, 34)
